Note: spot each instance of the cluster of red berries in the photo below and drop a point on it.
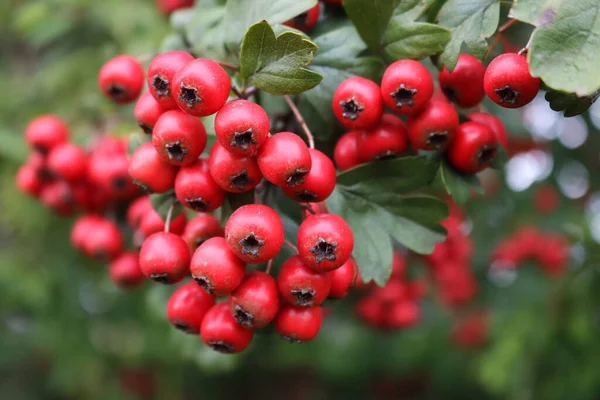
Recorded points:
(551, 251)
(433, 124)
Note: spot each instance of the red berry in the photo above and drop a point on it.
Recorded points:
(109, 145)
(402, 315)
(147, 111)
(196, 189)
(201, 87)
(313, 208)
(345, 153)
(121, 79)
(393, 292)
(80, 229)
(221, 331)
(255, 303)
(68, 161)
(298, 324)
(384, 142)
(433, 128)
(161, 71)
(149, 171)
(125, 271)
(216, 268)
(231, 172)
(254, 233)
(325, 242)
(179, 138)
(357, 103)
(508, 82)
(342, 279)
(165, 258)
(305, 21)
(242, 127)
(318, 183)
(473, 149)
(371, 311)
(201, 228)
(58, 196)
(187, 307)
(104, 240)
(394, 120)
(28, 181)
(168, 6)
(284, 159)
(302, 286)
(464, 85)
(406, 87)
(398, 266)
(494, 123)
(110, 171)
(152, 222)
(45, 132)
(546, 199)
(472, 331)
(136, 211)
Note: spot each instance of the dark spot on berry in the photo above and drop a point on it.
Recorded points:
(221, 346)
(404, 96)
(486, 154)
(301, 20)
(160, 278)
(116, 91)
(296, 178)
(324, 250)
(388, 155)
(304, 297)
(507, 95)
(204, 283)
(307, 196)
(146, 128)
(437, 139)
(243, 140)
(240, 181)
(243, 317)
(197, 204)
(119, 182)
(189, 96)
(251, 245)
(450, 94)
(292, 340)
(176, 151)
(351, 109)
(161, 85)
(143, 186)
(182, 326)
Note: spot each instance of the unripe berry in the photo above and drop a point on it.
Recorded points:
(125, 271)
(201, 228)
(325, 242)
(45, 132)
(150, 171)
(196, 189)
(318, 183)
(165, 258)
(464, 85)
(302, 286)
(284, 159)
(221, 331)
(231, 172)
(406, 87)
(433, 128)
(161, 71)
(473, 149)
(357, 103)
(242, 127)
(187, 307)
(298, 324)
(121, 79)
(508, 82)
(342, 279)
(346, 153)
(179, 138)
(255, 303)
(147, 111)
(215, 268)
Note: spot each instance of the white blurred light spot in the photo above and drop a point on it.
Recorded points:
(595, 114)
(573, 180)
(577, 254)
(592, 206)
(524, 169)
(595, 227)
(540, 119)
(573, 132)
(502, 273)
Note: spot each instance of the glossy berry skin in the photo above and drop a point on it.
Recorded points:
(201, 87)
(508, 82)
(434, 128)
(67, 161)
(255, 303)
(492, 122)
(147, 111)
(165, 258)
(302, 286)
(384, 142)
(231, 172)
(298, 324)
(150, 171)
(215, 268)
(254, 233)
(45, 132)
(318, 183)
(393, 120)
(136, 211)
(196, 189)
(28, 181)
(80, 229)
(152, 222)
(473, 149)
(58, 196)
(111, 172)
(406, 87)
(201, 228)
(357, 103)
(305, 21)
(325, 242)
(187, 307)
(345, 152)
(242, 127)
(284, 159)
(161, 71)
(104, 240)
(179, 138)
(221, 332)
(125, 271)
(168, 6)
(342, 279)
(464, 85)
(121, 79)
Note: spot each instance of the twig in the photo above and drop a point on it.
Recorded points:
(228, 65)
(525, 49)
(244, 93)
(169, 216)
(309, 136)
(237, 92)
(291, 245)
(507, 25)
(504, 27)
(269, 266)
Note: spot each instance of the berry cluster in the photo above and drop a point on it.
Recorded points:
(471, 331)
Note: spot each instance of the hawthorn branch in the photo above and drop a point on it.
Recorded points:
(301, 122)
(291, 245)
(269, 266)
(228, 65)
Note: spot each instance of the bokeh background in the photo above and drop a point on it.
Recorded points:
(66, 332)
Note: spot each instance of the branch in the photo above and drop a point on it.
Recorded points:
(309, 136)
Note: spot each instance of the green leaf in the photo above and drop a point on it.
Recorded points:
(472, 22)
(276, 64)
(570, 103)
(500, 159)
(161, 202)
(457, 184)
(13, 147)
(415, 40)
(534, 12)
(370, 18)
(135, 140)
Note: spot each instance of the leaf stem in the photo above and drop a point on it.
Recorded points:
(228, 65)
(525, 49)
(244, 93)
(300, 119)
(504, 27)
(269, 266)
(291, 245)
(170, 215)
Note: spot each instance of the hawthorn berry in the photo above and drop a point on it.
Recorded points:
(318, 183)
(406, 87)
(221, 332)
(325, 242)
(136, 211)
(393, 120)
(179, 138)
(371, 311)
(473, 149)
(471, 331)
(231, 172)
(494, 123)
(201, 228)
(161, 71)
(147, 111)
(28, 181)
(109, 145)
(398, 266)
(402, 314)
(58, 196)
(298, 324)
(433, 128)
(255, 302)
(393, 292)
(80, 229)
(46, 131)
(345, 152)
(201, 87)
(254, 233)
(357, 103)
(168, 6)
(165, 258)
(305, 21)
(284, 159)
(125, 270)
(464, 85)
(384, 142)
(215, 268)
(110, 171)
(301, 286)
(196, 189)
(121, 79)
(67, 161)
(508, 82)
(342, 279)
(149, 171)
(187, 307)
(152, 222)
(242, 127)
(104, 240)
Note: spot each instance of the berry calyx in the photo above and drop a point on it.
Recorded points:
(464, 85)
(434, 128)
(284, 159)
(110, 171)
(147, 111)
(298, 324)
(161, 71)
(302, 286)
(242, 127)
(318, 183)
(255, 303)
(221, 332)
(67, 161)
(357, 103)
(473, 149)
(45, 132)
(406, 87)
(384, 142)
(231, 172)
(215, 268)
(164, 258)
(179, 138)
(342, 279)
(346, 152)
(125, 271)
(196, 189)
(325, 242)
(508, 81)
(121, 79)
(150, 171)
(494, 123)
(187, 307)
(201, 228)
